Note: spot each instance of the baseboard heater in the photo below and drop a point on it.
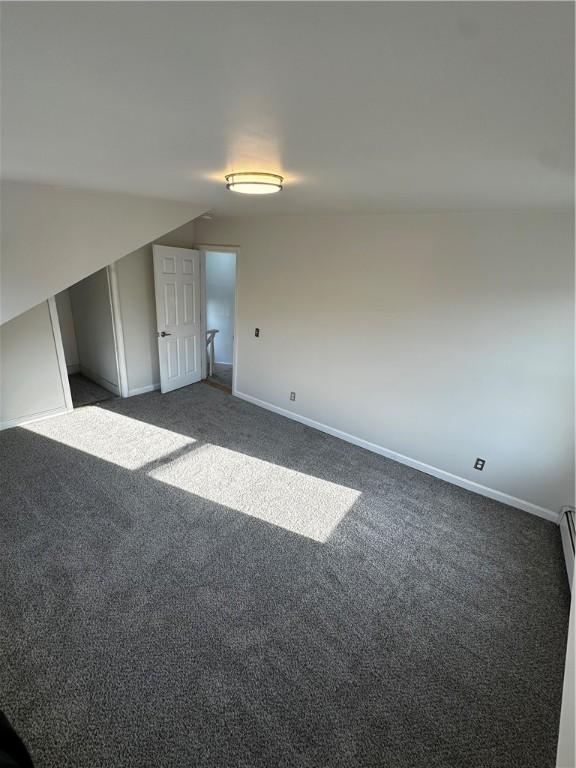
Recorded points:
(568, 540)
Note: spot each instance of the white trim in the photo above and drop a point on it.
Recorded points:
(143, 390)
(104, 383)
(117, 329)
(73, 368)
(40, 416)
(59, 346)
(235, 335)
(462, 482)
(203, 313)
(217, 248)
(567, 535)
(225, 249)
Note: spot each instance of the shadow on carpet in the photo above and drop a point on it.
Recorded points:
(189, 580)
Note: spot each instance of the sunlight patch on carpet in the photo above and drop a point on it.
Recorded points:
(110, 436)
(301, 503)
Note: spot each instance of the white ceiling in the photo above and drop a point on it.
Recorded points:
(363, 106)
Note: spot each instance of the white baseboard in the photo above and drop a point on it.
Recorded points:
(143, 390)
(22, 420)
(462, 482)
(72, 369)
(104, 383)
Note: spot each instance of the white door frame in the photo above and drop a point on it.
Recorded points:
(59, 345)
(203, 248)
(117, 332)
(117, 329)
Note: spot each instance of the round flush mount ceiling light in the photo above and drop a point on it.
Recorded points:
(254, 183)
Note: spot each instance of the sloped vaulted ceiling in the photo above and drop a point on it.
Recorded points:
(364, 107)
(52, 236)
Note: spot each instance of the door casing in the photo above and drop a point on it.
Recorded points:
(205, 248)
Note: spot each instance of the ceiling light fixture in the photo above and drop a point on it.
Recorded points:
(254, 183)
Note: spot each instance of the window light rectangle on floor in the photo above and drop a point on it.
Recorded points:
(304, 504)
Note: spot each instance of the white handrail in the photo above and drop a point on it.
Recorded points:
(210, 335)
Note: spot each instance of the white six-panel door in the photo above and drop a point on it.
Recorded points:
(178, 295)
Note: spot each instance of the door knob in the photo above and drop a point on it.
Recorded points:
(165, 334)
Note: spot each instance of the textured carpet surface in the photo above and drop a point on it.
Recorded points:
(188, 580)
(222, 374)
(84, 391)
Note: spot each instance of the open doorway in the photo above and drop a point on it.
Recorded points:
(88, 338)
(220, 294)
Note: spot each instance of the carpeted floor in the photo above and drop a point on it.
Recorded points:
(85, 392)
(188, 580)
(222, 375)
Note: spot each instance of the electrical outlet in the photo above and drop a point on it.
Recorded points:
(257, 332)
(292, 395)
(479, 464)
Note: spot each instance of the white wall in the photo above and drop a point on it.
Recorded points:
(138, 310)
(220, 289)
(30, 381)
(90, 301)
(54, 236)
(67, 330)
(442, 337)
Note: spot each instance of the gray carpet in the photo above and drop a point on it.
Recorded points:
(222, 375)
(188, 580)
(85, 391)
